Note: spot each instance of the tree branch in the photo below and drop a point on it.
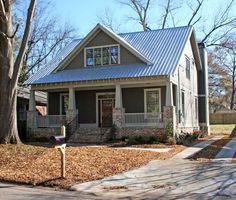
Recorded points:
(23, 46)
(200, 2)
(2, 10)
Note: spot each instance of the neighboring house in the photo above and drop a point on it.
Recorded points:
(23, 95)
(140, 81)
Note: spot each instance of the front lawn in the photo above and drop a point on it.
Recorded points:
(222, 128)
(41, 165)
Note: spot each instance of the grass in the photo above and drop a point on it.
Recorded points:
(41, 165)
(222, 128)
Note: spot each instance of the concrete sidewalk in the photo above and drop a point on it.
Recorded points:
(227, 152)
(182, 179)
(196, 148)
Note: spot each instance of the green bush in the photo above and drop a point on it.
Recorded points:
(132, 141)
(169, 130)
(152, 140)
(124, 138)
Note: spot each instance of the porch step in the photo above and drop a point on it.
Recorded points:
(90, 135)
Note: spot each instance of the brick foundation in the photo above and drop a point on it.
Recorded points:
(44, 132)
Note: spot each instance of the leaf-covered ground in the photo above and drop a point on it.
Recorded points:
(41, 165)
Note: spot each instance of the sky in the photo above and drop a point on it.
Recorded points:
(83, 14)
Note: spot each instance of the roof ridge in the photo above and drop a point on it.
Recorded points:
(178, 27)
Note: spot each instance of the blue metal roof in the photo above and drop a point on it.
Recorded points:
(162, 47)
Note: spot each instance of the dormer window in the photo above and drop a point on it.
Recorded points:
(102, 55)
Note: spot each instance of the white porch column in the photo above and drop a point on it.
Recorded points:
(71, 105)
(118, 111)
(169, 94)
(32, 103)
(118, 97)
(71, 113)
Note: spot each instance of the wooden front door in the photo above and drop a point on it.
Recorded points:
(106, 106)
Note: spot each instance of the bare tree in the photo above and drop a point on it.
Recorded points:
(223, 25)
(47, 37)
(10, 68)
(195, 11)
(107, 19)
(169, 6)
(224, 60)
(141, 9)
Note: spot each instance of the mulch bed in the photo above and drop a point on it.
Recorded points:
(212, 150)
(41, 165)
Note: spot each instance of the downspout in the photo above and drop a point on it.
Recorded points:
(179, 96)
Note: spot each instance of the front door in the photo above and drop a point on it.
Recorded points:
(106, 104)
(106, 112)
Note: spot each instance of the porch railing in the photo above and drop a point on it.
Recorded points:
(51, 121)
(143, 119)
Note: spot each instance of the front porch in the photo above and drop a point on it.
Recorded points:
(127, 106)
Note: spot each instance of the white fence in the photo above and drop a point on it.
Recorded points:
(51, 121)
(143, 120)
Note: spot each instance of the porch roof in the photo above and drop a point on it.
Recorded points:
(99, 73)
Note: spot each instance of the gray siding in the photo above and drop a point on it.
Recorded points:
(99, 40)
(133, 102)
(54, 103)
(133, 99)
(86, 105)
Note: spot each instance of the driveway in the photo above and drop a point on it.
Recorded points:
(170, 179)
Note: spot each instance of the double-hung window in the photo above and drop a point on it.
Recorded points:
(102, 55)
(188, 66)
(152, 100)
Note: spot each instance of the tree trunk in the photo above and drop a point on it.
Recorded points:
(8, 94)
(232, 94)
(8, 117)
(9, 71)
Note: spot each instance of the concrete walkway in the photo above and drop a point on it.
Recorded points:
(160, 150)
(196, 148)
(227, 152)
(170, 179)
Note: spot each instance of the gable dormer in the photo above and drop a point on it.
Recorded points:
(101, 47)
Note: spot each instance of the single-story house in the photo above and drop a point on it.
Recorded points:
(138, 82)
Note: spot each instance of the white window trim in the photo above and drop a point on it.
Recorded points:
(103, 46)
(62, 94)
(145, 98)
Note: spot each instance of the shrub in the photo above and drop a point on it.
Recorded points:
(171, 141)
(169, 130)
(132, 141)
(124, 138)
(139, 139)
(113, 132)
(152, 140)
(38, 139)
